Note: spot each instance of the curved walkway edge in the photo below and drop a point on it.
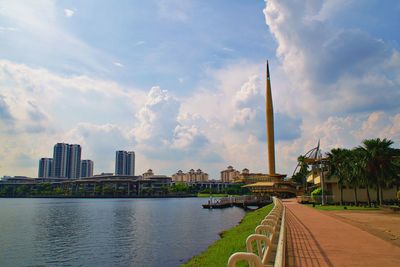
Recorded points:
(316, 239)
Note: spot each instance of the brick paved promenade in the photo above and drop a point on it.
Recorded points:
(316, 239)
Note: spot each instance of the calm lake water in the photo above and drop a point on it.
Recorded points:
(108, 232)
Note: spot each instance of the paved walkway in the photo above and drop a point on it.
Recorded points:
(316, 239)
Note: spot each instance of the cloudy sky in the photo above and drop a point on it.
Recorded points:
(182, 82)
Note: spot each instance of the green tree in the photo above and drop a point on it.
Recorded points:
(44, 189)
(301, 176)
(58, 191)
(180, 187)
(381, 165)
(6, 190)
(363, 178)
(338, 167)
(22, 190)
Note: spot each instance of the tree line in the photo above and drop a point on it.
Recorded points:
(374, 164)
(47, 189)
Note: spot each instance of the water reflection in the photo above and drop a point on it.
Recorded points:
(107, 232)
(60, 229)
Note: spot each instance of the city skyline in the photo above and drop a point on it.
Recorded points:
(182, 84)
(124, 165)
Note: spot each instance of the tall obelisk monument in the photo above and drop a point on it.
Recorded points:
(270, 126)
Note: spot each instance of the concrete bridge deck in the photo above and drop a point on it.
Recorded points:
(316, 239)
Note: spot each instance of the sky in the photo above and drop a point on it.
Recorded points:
(182, 83)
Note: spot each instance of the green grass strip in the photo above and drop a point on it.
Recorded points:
(233, 240)
(334, 207)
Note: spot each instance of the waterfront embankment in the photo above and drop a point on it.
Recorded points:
(232, 240)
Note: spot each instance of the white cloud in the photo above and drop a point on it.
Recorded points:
(174, 9)
(7, 29)
(333, 70)
(228, 49)
(138, 43)
(118, 64)
(159, 126)
(68, 12)
(99, 143)
(324, 89)
(343, 83)
(380, 124)
(213, 127)
(187, 137)
(157, 118)
(39, 108)
(46, 31)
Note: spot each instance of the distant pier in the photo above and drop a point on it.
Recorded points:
(240, 201)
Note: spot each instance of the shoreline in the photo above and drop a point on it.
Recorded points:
(231, 240)
(104, 197)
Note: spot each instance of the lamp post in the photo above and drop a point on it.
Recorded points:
(322, 183)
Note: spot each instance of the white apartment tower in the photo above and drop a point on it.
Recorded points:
(86, 168)
(125, 162)
(45, 167)
(74, 161)
(66, 160)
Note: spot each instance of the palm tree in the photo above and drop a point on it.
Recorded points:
(380, 164)
(301, 175)
(359, 175)
(360, 160)
(338, 167)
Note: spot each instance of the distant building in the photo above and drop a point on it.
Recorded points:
(180, 176)
(105, 174)
(66, 160)
(130, 163)
(86, 168)
(230, 174)
(147, 174)
(124, 163)
(74, 161)
(45, 167)
(60, 160)
(191, 176)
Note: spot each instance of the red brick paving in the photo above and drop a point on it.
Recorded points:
(316, 239)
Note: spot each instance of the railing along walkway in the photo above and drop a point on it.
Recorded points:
(266, 247)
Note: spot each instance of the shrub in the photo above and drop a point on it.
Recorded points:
(316, 192)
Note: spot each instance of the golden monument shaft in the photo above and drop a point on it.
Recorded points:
(270, 126)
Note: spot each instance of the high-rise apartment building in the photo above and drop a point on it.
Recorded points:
(60, 160)
(45, 167)
(74, 161)
(130, 163)
(124, 163)
(66, 160)
(86, 168)
(120, 162)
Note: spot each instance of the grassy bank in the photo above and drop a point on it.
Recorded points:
(233, 240)
(338, 207)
